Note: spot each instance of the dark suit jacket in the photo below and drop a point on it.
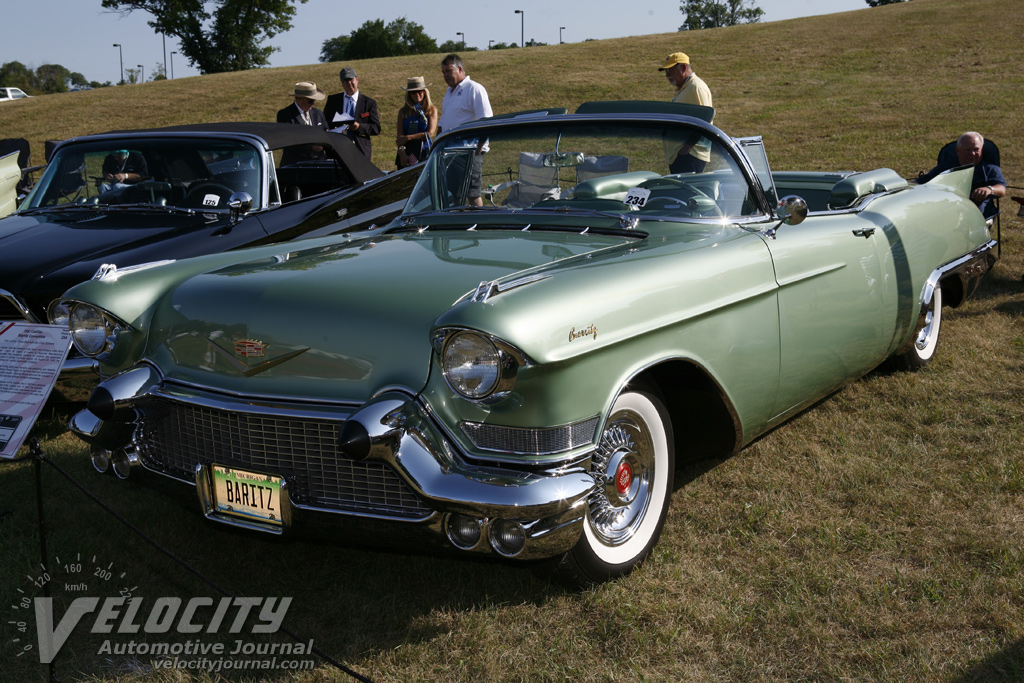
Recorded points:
(366, 114)
(291, 114)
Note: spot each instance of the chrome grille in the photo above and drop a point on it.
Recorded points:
(530, 441)
(174, 437)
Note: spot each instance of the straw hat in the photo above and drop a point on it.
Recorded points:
(415, 83)
(309, 91)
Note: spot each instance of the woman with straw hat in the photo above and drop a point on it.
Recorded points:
(417, 124)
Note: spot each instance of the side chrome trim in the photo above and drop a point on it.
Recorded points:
(20, 306)
(972, 264)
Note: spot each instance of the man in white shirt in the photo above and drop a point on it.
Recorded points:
(465, 100)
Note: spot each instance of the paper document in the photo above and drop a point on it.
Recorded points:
(339, 124)
(31, 357)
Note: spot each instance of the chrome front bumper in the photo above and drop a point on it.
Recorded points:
(546, 507)
(78, 377)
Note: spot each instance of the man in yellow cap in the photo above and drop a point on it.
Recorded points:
(690, 156)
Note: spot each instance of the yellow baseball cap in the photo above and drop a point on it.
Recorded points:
(673, 59)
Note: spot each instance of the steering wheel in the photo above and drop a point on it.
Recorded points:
(684, 193)
(203, 188)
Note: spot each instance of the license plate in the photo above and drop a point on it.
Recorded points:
(247, 495)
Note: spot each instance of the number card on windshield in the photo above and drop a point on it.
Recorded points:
(638, 197)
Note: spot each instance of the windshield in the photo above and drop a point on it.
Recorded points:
(655, 169)
(171, 172)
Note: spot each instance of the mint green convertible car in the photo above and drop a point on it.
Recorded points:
(520, 378)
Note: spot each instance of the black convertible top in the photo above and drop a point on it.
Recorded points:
(277, 136)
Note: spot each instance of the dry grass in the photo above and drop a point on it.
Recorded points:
(875, 537)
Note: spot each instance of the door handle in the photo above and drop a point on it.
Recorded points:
(864, 232)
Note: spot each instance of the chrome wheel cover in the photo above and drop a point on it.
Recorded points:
(623, 467)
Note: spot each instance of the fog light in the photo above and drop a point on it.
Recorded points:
(123, 461)
(507, 538)
(464, 531)
(100, 459)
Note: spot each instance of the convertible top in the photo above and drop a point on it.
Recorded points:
(276, 136)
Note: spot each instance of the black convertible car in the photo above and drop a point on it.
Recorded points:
(127, 198)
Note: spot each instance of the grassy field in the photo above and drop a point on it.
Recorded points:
(876, 537)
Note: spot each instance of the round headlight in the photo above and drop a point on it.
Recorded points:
(89, 329)
(471, 364)
(59, 313)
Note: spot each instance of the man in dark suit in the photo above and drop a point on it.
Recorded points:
(305, 114)
(358, 113)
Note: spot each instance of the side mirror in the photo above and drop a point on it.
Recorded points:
(792, 210)
(240, 203)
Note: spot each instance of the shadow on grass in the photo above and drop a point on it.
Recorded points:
(1005, 665)
(355, 598)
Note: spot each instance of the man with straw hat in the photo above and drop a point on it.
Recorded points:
(303, 112)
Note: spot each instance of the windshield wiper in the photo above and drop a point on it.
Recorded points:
(60, 207)
(455, 209)
(627, 221)
(577, 210)
(150, 207)
(107, 207)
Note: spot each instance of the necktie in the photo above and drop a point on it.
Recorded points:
(350, 107)
(305, 114)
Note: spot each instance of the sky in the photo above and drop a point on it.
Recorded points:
(80, 34)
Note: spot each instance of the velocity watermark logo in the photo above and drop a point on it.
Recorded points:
(130, 616)
(199, 633)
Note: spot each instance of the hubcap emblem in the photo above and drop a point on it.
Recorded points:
(623, 478)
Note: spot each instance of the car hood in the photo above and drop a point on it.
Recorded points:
(339, 320)
(68, 246)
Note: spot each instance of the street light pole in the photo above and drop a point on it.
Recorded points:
(489, 42)
(142, 73)
(459, 33)
(165, 54)
(120, 54)
(172, 64)
(560, 29)
(522, 25)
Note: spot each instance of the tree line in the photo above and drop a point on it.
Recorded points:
(45, 80)
(217, 36)
(699, 14)
(398, 38)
